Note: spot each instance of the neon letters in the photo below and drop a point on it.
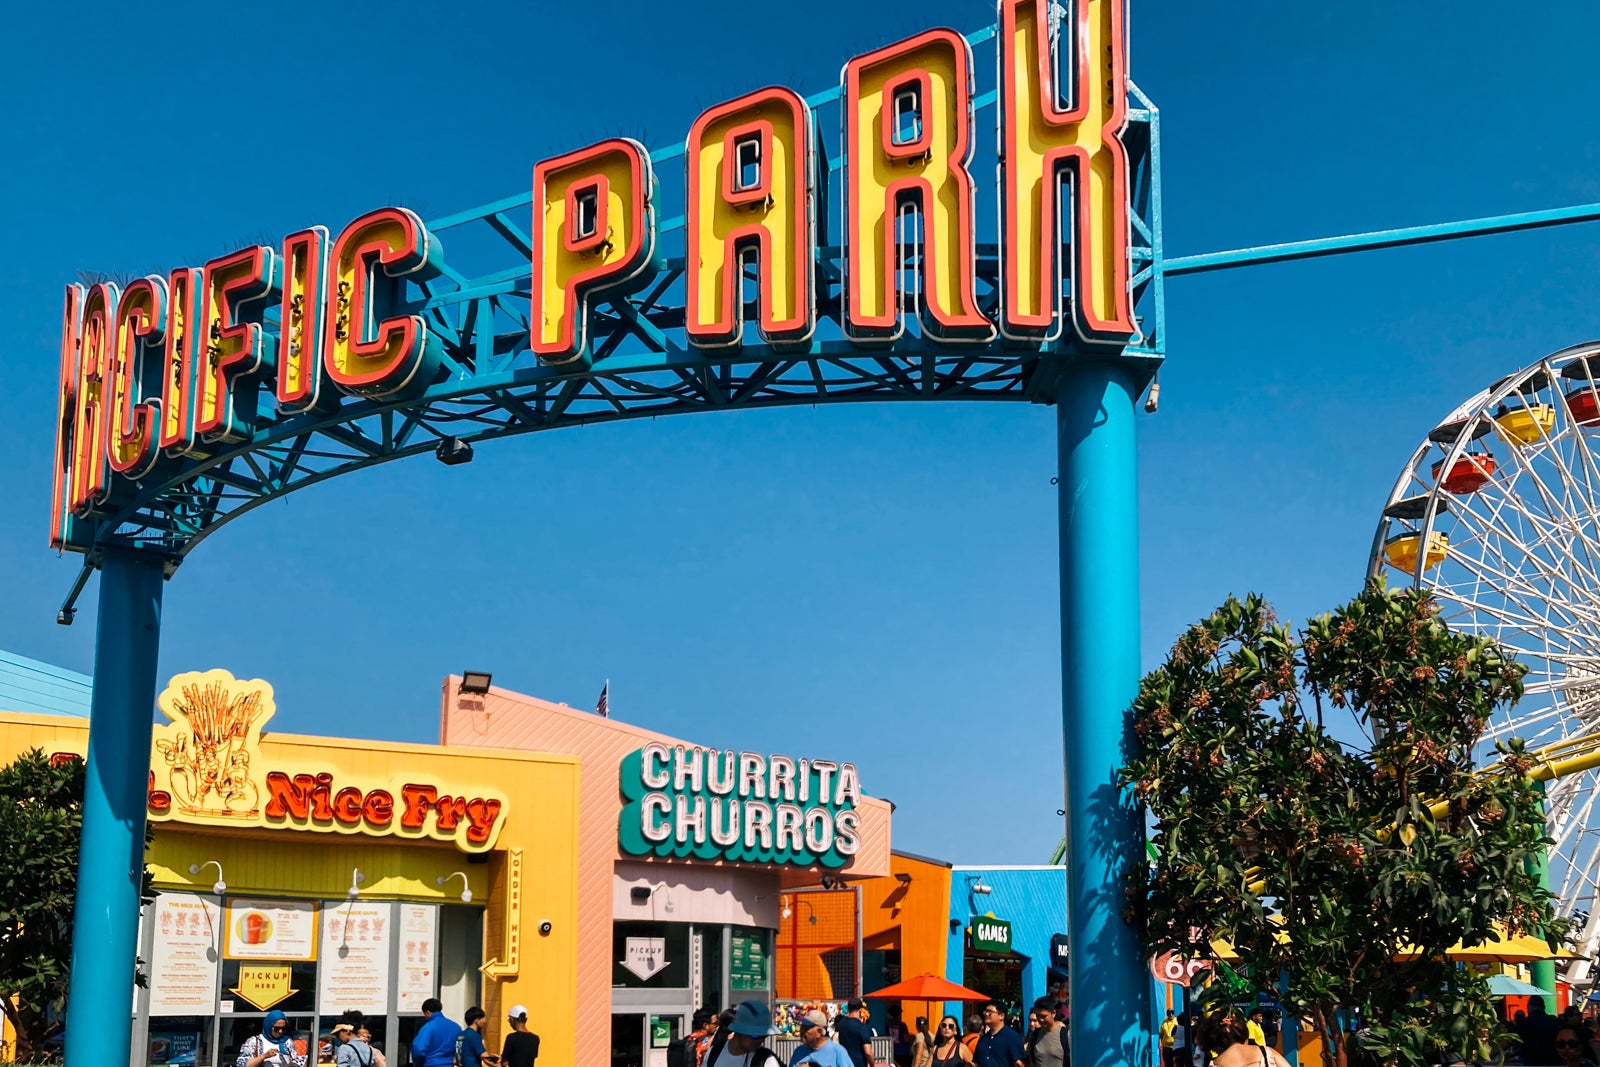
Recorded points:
(197, 363)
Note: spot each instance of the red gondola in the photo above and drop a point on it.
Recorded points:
(1468, 474)
(1585, 410)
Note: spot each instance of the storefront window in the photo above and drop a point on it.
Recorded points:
(180, 1041)
(650, 955)
(238, 1029)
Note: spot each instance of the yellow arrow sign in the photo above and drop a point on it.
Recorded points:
(509, 962)
(264, 984)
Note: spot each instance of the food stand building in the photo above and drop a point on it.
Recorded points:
(609, 878)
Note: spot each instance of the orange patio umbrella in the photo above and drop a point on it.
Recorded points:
(927, 987)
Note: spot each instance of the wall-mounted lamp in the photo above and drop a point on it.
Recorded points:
(476, 682)
(466, 890)
(903, 878)
(787, 911)
(220, 887)
(639, 894)
(955, 924)
(981, 889)
(830, 882)
(658, 887)
(356, 878)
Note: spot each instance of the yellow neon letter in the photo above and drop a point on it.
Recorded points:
(1042, 143)
(751, 193)
(908, 138)
(131, 421)
(66, 458)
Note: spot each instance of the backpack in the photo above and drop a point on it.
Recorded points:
(678, 1052)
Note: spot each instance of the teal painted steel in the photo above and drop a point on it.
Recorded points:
(105, 917)
(41, 688)
(640, 362)
(1367, 242)
(1099, 679)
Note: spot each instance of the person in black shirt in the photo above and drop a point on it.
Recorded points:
(522, 1045)
(854, 1033)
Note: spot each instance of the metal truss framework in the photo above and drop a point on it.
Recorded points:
(641, 364)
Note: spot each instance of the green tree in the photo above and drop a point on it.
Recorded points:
(1351, 871)
(41, 819)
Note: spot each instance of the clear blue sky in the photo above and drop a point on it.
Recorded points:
(874, 583)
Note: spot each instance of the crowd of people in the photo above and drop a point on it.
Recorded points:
(737, 1038)
(439, 1042)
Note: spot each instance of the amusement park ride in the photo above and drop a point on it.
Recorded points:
(933, 228)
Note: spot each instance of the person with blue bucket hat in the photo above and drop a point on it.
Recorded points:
(747, 1036)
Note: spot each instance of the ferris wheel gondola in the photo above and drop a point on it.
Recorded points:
(1498, 513)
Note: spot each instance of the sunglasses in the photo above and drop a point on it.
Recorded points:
(1566, 1044)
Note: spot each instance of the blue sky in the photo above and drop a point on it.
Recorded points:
(875, 583)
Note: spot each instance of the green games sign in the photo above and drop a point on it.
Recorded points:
(990, 934)
(681, 801)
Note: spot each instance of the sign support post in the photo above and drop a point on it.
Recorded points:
(1099, 534)
(105, 918)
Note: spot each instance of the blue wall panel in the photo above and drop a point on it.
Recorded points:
(28, 685)
(1033, 899)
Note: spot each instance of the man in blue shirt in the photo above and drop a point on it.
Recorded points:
(435, 1043)
(469, 1043)
(998, 1045)
(815, 1048)
(854, 1033)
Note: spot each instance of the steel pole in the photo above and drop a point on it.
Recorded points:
(105, 917)
(1100, 676)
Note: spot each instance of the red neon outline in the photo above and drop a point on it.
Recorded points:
(923, 145)
(728, 326)
(66, 418)
(133, 423)
(407, 335)
(237, 277)
(969, 323)
(572, 337)
(762, 189)
(1057, 159)
(601, 188)
(305, 272)
(178, 366)
(89, 469)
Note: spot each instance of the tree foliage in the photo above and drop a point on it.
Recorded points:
(41, 820)
(1352, 871)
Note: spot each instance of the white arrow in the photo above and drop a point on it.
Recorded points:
(644, 956)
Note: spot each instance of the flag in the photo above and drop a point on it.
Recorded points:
(601, 707)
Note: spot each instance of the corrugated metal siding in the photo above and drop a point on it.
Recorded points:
(31, 686)
(1033, 899)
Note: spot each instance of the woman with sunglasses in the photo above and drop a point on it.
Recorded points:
(1572, 1045)
(948, 1048)
(273, 1046)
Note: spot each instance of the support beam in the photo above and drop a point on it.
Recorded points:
(1100, 677)
(105, 917)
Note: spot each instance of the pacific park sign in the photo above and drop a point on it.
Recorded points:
(169, 370)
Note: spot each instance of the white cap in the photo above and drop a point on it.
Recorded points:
(517, 1012)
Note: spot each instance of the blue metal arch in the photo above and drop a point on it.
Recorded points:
(641, 365)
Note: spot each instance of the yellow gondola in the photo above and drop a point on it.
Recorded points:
(1525, 425)
(1401, 552)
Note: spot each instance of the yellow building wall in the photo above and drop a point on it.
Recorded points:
(540, 822)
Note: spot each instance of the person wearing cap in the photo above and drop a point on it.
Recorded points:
(350, 1050)
(815, 1047)
(747, 1035)
(854, 1033)
(522, 1045)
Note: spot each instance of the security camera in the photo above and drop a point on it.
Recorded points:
(545, 928)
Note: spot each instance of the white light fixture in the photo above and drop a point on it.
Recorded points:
(787, 912)
(659, 887)
(466, 890)
(219, 887)
(356, 879)
(982, 889)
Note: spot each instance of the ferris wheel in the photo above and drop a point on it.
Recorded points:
(1498, 513)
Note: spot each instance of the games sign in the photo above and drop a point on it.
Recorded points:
(161, 374)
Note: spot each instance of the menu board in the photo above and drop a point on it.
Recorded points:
(747, 963)
(355, 958)
(271, 930)
(418, 934)
(183, 955)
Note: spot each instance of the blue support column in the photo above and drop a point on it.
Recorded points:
(1100, 677)
(105, 918)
